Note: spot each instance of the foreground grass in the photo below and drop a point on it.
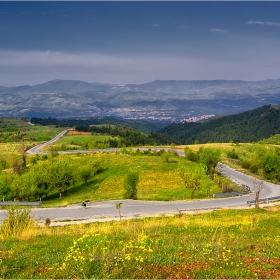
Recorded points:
(219, 244)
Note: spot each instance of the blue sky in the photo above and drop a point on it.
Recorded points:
(138, 42)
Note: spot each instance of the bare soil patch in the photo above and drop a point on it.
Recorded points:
(73, 132)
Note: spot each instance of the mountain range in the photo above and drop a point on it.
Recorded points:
(166, 101)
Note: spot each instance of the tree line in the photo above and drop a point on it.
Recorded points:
(127, 136)
(140, 125)
(46, 176)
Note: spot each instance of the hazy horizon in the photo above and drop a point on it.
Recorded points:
(138, 42)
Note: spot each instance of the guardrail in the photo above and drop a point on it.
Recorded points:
(264, 200)
(21, 203)
(232, 194)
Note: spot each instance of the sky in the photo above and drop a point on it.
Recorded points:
(138, 42)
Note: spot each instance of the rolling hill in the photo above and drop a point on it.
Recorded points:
(249, 126)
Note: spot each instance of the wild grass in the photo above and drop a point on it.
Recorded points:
(19, 223)
(218, 244)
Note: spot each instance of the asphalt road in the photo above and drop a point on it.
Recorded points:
(37, 149)
(138, 208)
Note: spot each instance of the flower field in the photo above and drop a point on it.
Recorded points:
(220, 244)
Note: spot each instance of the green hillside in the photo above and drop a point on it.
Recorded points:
(249, 126)
(141, 125)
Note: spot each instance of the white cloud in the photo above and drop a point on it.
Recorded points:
(269, 23)
(156, 25)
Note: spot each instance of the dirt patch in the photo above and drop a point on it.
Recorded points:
(73, 132)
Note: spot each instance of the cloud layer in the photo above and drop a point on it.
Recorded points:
(268, 23)
(33, 67)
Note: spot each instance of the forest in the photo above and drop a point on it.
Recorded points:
(249, 126)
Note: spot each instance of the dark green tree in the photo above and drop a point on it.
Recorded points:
(130, 185)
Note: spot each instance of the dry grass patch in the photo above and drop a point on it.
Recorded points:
(73, 132)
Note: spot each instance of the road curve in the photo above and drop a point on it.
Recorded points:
(138, 208)
(37, 149)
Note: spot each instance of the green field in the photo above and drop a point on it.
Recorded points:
(41, 133)
(80, 142)
(235, 244)
(158, 179)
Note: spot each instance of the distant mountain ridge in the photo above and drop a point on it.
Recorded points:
(171, 100)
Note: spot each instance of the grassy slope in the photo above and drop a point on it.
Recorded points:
(220, 244)
(158, 179)
(28, 132)
(79, 141)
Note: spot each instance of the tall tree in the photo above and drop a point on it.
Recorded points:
(192, 178)
(209, 157)
(62, 174)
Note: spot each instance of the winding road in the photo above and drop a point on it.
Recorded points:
(101, 211)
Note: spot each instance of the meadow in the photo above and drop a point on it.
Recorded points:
(82, 141)
(219, 244)
(39, 133)
(18, 130)
(158, 179)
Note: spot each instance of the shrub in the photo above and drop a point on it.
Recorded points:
(130, 185)
(246, 164)
(191, 155)
(254, 168)
(18, 222)
(232, 154)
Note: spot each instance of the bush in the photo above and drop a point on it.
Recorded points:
(191, 155)
(246, 164)
(18, 222)
(232, 154)
(254, 168)
(3, 164)
(130, 185)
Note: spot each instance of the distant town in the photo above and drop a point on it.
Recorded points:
(162, 115)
